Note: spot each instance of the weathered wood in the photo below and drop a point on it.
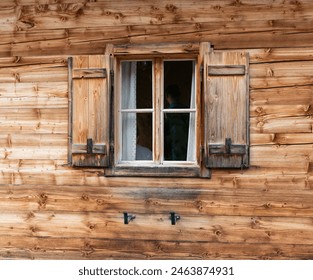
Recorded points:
(155, 49)
(281, 138)
(251, 230)
(93, 248)
(281, 125)
(90, 104)
(226, 106)
(284, 95)
(51, 210)
(247, 202)
(89, 73)
(228, 70)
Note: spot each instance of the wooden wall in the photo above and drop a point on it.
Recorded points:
(51, 211)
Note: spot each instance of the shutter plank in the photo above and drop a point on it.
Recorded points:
(226, 109)
(80, 101)
(90, 111)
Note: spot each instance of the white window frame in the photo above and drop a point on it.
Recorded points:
(157, 111)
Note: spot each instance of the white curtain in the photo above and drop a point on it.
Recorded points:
(129, 122)
(191, 134)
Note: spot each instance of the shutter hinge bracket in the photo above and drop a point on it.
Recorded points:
(227, 149)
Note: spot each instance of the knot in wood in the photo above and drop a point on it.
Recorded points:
(41, 8)
(100, 201)
(236, 3)
(259, 110)
(217, 7)
(171, 8)
(91, 226)
(85, 197)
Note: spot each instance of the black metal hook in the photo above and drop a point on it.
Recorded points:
(128, 218)
(174, 218)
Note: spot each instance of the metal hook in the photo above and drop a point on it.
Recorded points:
(174, 218)
(128, 218)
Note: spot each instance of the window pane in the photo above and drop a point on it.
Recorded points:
(136, 136)
(178, 84)
(179, 136)
(136, 84)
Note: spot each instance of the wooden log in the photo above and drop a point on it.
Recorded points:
(224, 229)
(50, 74)
(294, 95)
(281, 138)
(278, 82)
(281, 125)
(33, 140)
(280, 55)
(33, 153)
(42, 89)
(282, 69)
(268, 112)
(92, 248)
(243, 202)
(33, 102)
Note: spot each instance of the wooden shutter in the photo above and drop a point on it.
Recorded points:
(89, 116)
(226, 96)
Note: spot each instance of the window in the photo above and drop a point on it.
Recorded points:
(160, 115)
(156, 116)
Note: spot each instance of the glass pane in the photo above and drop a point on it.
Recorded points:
(136, 84)
(179, 136)
(179, 84)
(136, 136)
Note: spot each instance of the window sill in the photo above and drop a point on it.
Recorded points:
(155, 171)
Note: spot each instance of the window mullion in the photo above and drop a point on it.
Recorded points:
(158, 123)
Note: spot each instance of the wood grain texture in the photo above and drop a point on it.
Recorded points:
(226, 104)
(84, 27)
(50, 210)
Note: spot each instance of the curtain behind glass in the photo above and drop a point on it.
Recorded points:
(192, 120)
(129, 127)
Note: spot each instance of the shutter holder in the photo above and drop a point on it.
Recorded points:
(174, 218)
(227, 149)
(128, 218)
(89, 146)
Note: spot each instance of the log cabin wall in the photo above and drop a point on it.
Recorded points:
(52, 211)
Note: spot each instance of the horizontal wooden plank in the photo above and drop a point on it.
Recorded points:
(157, 48)
(272, 82)
(33, 153)
(279, 111)
(281, 138)
(32, 60)
(33, 114)
(281, 125)
(33, 102)
(185, 202)
(33, 140)
(282, 69)
(227, 70)
(284, 95)
(224, 229)
(280, 55)
(99, 249)
(42, 89)
(89, 73)
(50, 74)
